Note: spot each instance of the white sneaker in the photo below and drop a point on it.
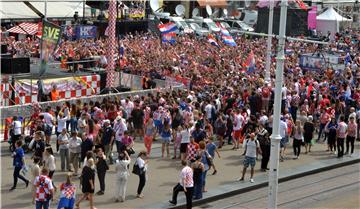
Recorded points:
(251, 180)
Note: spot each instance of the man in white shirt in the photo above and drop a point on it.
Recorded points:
(186, 184)
(252, 147)
(238, 125)
(284, 134)
(119, 129)
(49, 123)
(208, 109)
(16, 128)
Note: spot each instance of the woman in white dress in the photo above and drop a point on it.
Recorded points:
(122, 174)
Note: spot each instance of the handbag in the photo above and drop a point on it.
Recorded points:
(137, 170)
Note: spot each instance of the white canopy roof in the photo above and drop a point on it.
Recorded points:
(18, 10)
(331, 14)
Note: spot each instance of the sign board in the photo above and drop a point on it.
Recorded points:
(85, 31)
(309, 62)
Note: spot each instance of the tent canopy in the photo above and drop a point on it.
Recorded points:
(26, 28)
(331, 15)
(18, 10)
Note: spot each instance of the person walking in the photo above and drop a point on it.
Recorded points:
(252, 147)
(44, 190)
(298, 139)
(206, 160)
(211, 148)
(191, 150)
(150, 132)
(18, 163)
(67, 194)
(165, 135)
(108, 139)
(101, 168)
(49, 162)
(264, 140)
(87, 183)
(86, 146)
(351, 136)
(185, 184)
(63, 141)
(75, 150)
(122, 175)
(198, 170)
(342, 131)
(331, 128)
(35, 171)
(61, 125)
(309, 129)
(142, 163)
(16, 128)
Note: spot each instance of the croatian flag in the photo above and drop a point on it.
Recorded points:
(212, 40)
(250, 62)
(226, 37)
(168, 38)
(167, 28)
(347, 59)
(67, 196)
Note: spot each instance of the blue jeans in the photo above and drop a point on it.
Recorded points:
(198, 187)
(204, 177)
(73, 124)
(42, 205)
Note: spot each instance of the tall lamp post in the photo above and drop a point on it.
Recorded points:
(269, 39)
(275, 137)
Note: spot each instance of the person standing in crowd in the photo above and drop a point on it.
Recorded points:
(122, 175)
(18, 163)
(294, 105)
(38, 145)
(48, 125)
(198, 170)
(166, 139)
(142, 163)
(107, 139)
(351, 135)
(44, 190)
(331, 128)
(61, 125)
(101, 167)
(73, 119)
(67, 194)
(82, 123)
(324, 119)
(88, 183)
(75, 150)
(309, 129)
(211, 148)
(191, 150)
(137, 119)
(177, 142)
(35, 171)
(86, 146)
(264, 140)
(185, 184)
(238, 125)
(150, 132)
(16, 128)
(54, 93)
(284, 135)
(206, 160)
(298, 139)
(220, 130)
(252, 147)
(185, 140)
(49, 163)
(63, 141)
(198, 134)
(342, 132)
(119, 128)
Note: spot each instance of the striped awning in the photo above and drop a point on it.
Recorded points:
(25, 28)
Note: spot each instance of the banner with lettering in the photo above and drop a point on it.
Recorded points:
(85, 31)
(313, 63)
(50, 38)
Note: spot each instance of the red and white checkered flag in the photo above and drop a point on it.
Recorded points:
(111, 44)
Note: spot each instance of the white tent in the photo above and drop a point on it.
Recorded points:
(331, 21)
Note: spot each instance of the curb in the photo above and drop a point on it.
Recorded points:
(264, 184)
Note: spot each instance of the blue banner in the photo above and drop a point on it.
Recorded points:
(85, 31)
(308, 62)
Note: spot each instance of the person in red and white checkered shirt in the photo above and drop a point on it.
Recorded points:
(44, 190)
(191, 150)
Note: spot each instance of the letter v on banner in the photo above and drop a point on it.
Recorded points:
(50, 38)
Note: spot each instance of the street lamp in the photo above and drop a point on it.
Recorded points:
(275, 137)
(269, 39)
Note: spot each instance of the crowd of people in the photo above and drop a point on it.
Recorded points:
(226, 105)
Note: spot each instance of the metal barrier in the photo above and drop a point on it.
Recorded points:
(26, 110)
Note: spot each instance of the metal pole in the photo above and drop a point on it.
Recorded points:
(269, 39)
(275, 137)
(83, 11)
(45, 11)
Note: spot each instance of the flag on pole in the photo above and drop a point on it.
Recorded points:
(168, 38)
(250, 62)
(226, 36)
(212, 41)
(167, 28)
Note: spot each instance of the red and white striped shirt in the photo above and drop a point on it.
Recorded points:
(43, 186)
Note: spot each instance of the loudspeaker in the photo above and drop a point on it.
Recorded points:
(15, 65)
(3, 49)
